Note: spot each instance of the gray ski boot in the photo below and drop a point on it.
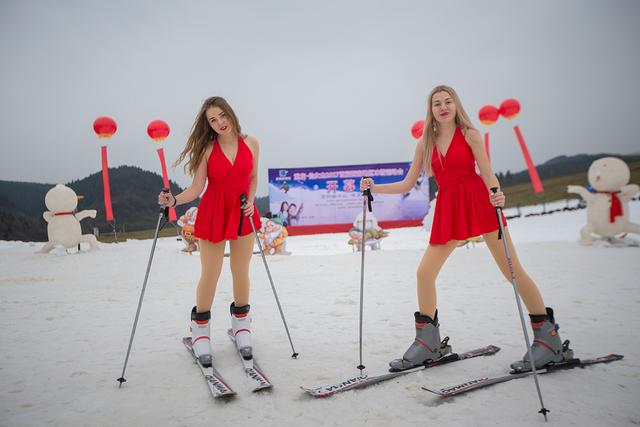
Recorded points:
(426, 347)
(547, 347)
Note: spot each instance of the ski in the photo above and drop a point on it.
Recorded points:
(367, 380)
(251, 368)
(217, 385)
(487, 381)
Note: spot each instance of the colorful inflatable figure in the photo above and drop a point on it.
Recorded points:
(273, 237)
(187, 222)
(372, 236)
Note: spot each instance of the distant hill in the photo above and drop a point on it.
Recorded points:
(134, 191)
(133, 197)
(558, 166)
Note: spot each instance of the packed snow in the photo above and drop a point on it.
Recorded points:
(67, 318)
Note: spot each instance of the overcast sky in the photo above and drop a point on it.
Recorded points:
(318, 83)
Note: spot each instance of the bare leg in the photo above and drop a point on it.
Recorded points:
(528, 290)
(211, 256)
(430, 265)
(241, 251)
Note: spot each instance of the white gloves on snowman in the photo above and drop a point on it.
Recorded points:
(608, 208)
(63, 225)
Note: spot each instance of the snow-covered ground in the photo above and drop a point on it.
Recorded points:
(66, 321)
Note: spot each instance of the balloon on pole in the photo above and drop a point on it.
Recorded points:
(488, 115)
(105, 127)
(158, 131)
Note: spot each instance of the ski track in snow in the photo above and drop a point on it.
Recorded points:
(66, 321)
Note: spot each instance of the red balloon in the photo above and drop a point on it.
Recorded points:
(105, 127)
(417, 129)
(488, 115)
(158, 130)
(510, 108)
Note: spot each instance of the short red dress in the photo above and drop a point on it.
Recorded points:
(219, 214)
(463, 208)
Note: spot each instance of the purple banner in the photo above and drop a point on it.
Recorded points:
(331, 194)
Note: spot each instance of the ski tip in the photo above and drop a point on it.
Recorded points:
(263, 389)
(431, 391)
(493, 349)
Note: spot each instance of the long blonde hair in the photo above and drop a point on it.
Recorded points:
(431, 125)
(202, 133)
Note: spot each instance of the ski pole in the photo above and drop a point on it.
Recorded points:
(502, 234)
(243, 201)
(164, 213)
(366, 202)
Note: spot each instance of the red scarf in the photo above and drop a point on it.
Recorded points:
(63, 213)
(616, 206)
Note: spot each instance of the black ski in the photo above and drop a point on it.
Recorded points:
(367, 380)
(251, 368)
(216, 383)
(487, 381)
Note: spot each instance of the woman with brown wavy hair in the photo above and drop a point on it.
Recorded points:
(220, 155)
(449, 151)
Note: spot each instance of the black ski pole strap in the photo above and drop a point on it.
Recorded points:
(243, 201)
(494, 190)
(367, 193)
(164, 209)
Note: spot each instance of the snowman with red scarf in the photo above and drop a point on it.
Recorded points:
(608, 206)
(63, 226)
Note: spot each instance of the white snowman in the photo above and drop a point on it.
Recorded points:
(608, 208)
(63, 224)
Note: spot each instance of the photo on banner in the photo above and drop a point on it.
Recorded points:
(328, 199)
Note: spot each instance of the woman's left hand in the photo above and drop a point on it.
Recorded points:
(497, 199)
(247, 208)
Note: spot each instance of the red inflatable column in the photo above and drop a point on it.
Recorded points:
(106, 185)
(533, 172)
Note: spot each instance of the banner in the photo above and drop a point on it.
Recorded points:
(328, 199)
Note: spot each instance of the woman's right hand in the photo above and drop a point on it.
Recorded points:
(166, 199)
(366, 183)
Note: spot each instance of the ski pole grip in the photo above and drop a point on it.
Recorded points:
(367, 194)
(165, 209)
(494, 190)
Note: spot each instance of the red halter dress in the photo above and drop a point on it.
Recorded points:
(219, 214)
(463, 209)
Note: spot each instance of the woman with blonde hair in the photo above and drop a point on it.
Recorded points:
(449, 151)
(219, 153)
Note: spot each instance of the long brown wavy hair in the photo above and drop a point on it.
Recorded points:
(431, 125)
(202, 133)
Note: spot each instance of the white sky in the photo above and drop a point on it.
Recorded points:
(318, 83)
